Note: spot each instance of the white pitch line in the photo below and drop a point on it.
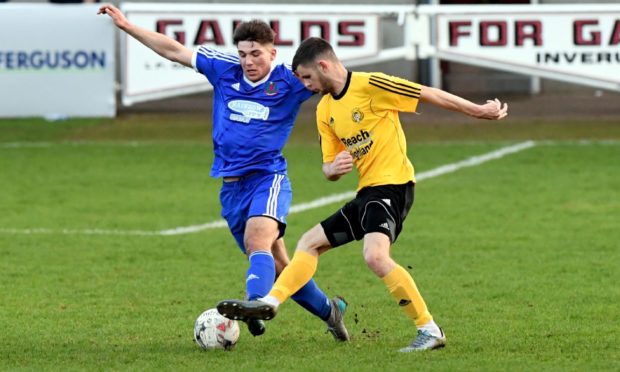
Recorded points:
(35, 231)
(27, 145)
(444, 169)
(22, 145)
(195, 228)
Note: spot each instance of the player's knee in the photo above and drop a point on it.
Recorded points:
(305, 243)
(376, 261)
(260, 234)
(258, 242)
(254, 245)
(308, 243)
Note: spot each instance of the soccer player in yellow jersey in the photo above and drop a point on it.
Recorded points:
(359, 126)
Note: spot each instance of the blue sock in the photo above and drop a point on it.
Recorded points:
(260, 275)
(311, 298)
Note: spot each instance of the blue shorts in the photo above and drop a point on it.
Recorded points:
(259, 194)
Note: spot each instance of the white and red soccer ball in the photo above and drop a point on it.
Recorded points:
(213, 331)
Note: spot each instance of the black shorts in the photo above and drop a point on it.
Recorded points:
(375, 209)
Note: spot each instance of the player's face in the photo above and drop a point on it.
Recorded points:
(255, 59)
(313, 78)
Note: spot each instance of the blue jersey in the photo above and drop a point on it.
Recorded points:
(251, 121)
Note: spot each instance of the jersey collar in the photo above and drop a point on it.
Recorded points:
(261, 81)
(346, 87)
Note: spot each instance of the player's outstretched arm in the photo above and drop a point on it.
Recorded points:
(159, 43)
(491, 110)
(342, 164)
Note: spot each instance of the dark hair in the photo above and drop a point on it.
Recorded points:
(254, 30)
(310, 50)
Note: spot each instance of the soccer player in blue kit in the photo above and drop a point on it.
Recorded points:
(255, 103)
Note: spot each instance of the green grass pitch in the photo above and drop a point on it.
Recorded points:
(518, 258)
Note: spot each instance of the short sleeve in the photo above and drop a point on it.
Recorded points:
(393, 93)
(330, 143)
(212, 63)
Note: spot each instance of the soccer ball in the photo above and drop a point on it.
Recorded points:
(213, 331)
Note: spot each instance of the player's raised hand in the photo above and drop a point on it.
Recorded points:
(494, 110)
(117, 16)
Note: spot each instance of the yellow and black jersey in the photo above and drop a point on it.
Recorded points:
(363, 119)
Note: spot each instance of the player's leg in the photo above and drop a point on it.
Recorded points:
(248, 207)
(268, 199)
(235, 201)
(399, 282)
(260, 234)
(332, 232)
(402, 287)
(384, 211)
(310, 296)
(254, 236)
(271, 196)
(292, 279)
(302, 268)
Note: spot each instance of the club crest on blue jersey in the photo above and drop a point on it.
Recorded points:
(271, 89)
